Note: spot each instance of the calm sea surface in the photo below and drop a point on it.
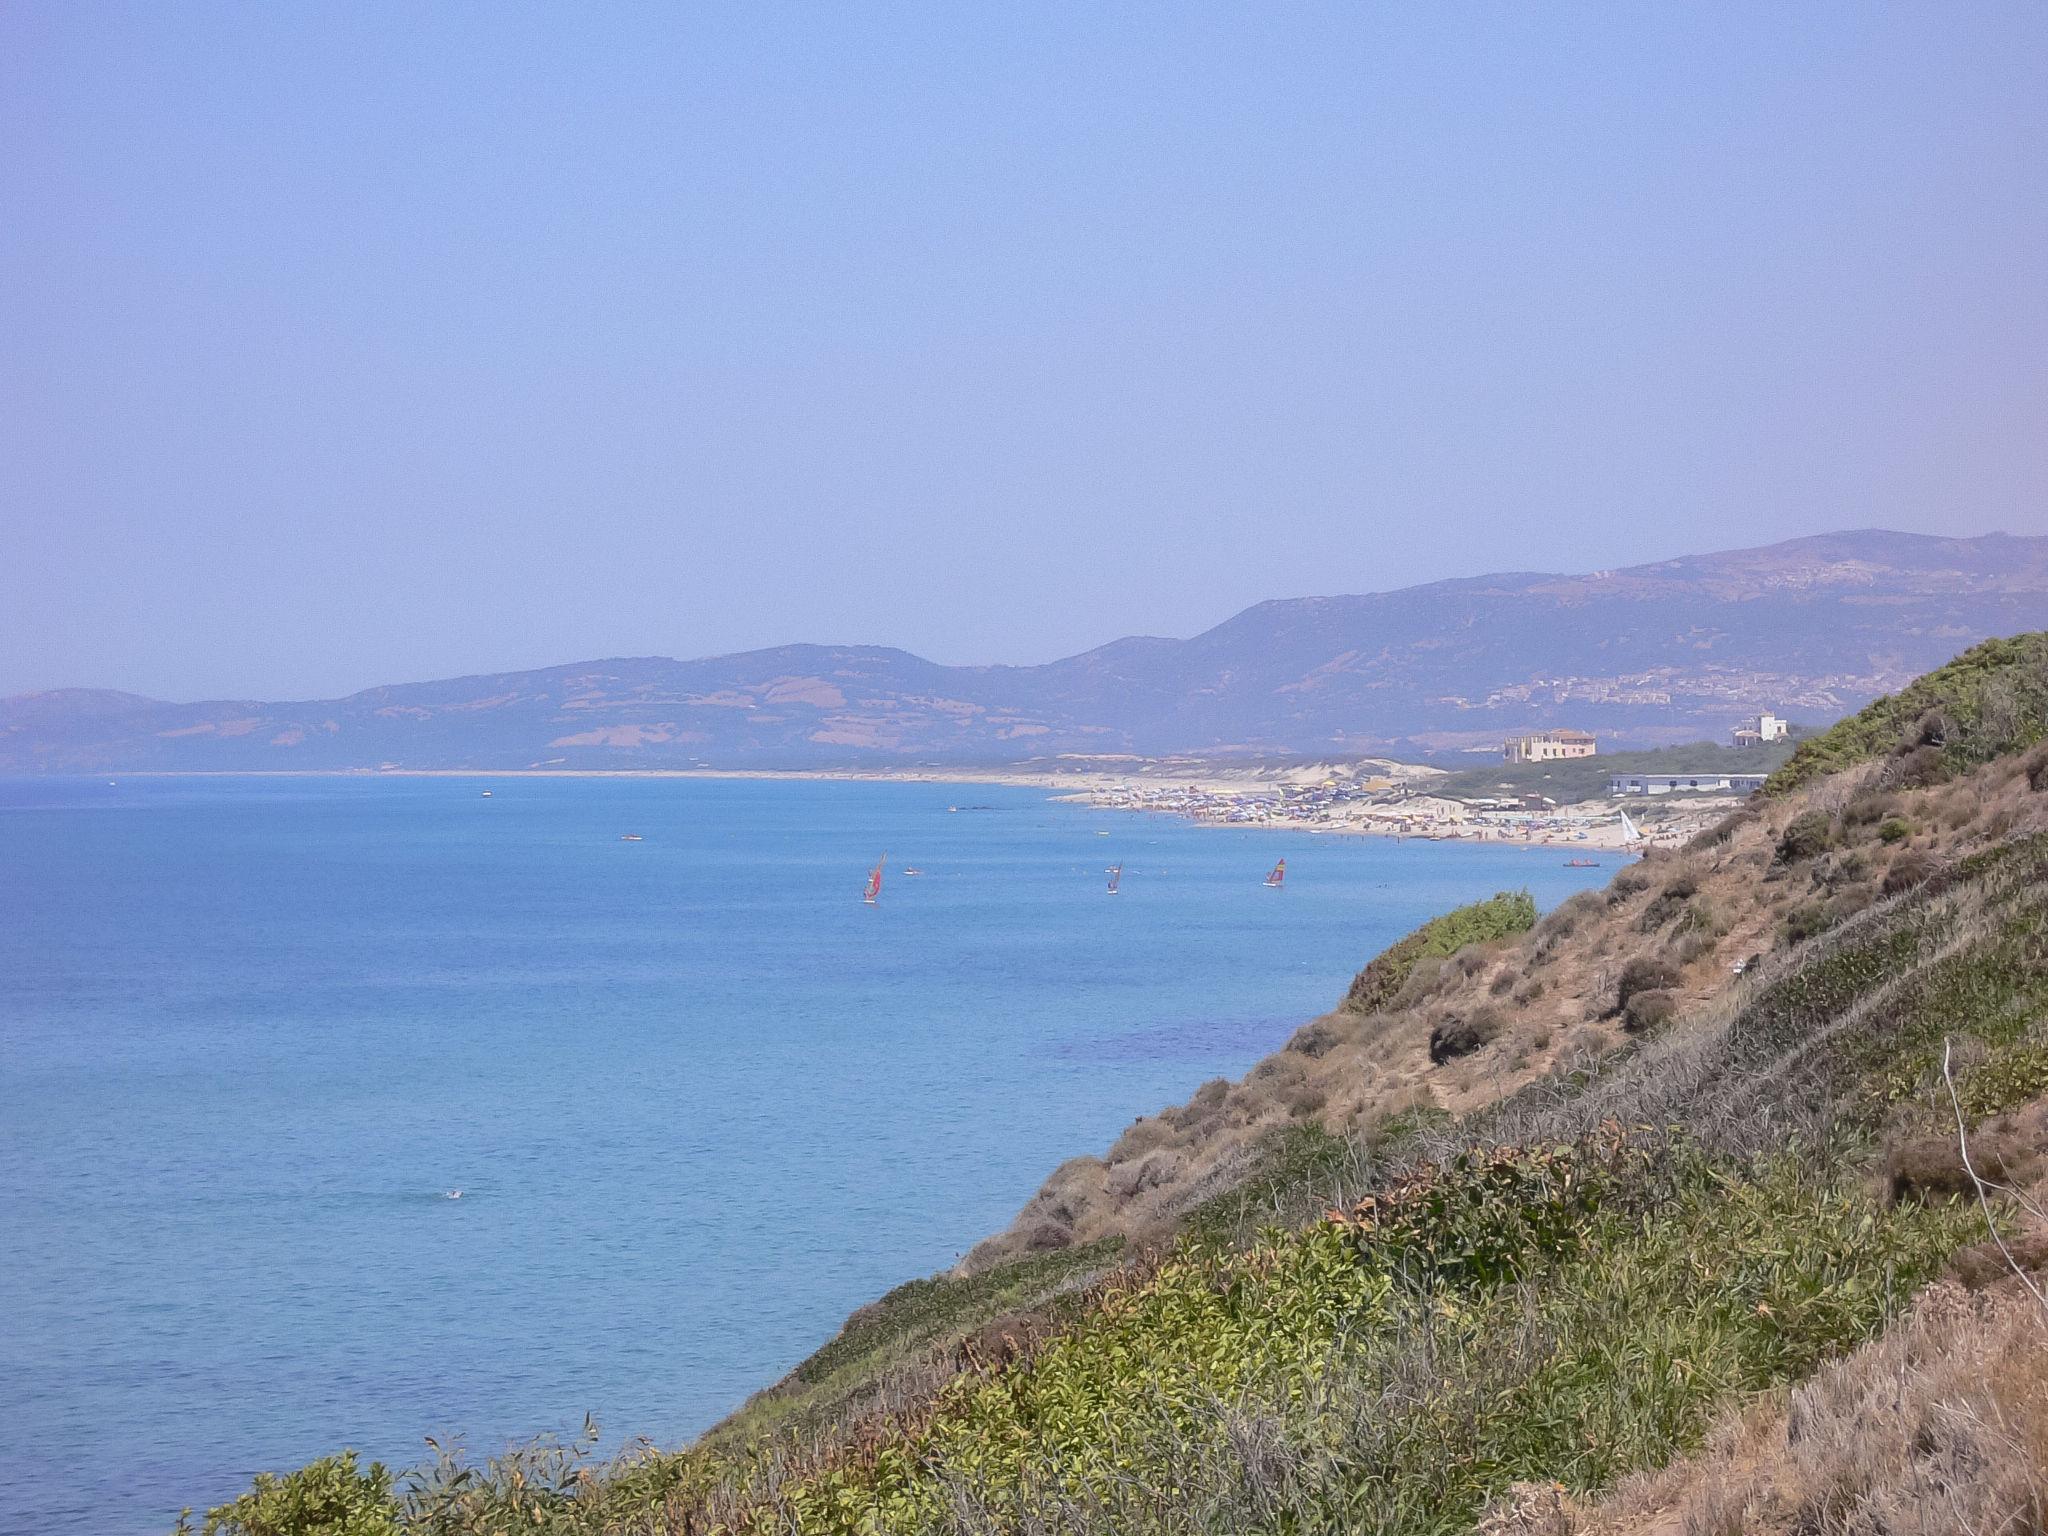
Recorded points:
(699, 1100)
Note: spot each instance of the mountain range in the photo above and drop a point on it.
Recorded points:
(1812, 628)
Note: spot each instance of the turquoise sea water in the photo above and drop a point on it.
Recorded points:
(699, 1100)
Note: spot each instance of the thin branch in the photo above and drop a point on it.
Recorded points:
(1983, 1199)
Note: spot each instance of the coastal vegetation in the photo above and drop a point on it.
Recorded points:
(1654, 1203)
(1479, 922)
(1991, 699)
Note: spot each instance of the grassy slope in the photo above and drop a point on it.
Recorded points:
(1993, 698)
(1237, 1382)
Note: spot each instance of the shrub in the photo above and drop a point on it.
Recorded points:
(1140, 1137)
(1465, 1034)
(1675, 895)
(1991, 699)
(1314, 1039)
(328, 1497)
(2037, 769)
(1918, 768)
(1806, 836)
(1563, 920)
(1870, 806)
(1645, 973)
(1648, 1010)
(1688, 946)
(1500, 916)
(1894, 829)
(1807, 920)
(1722, 831)
(1909, 870)
(1631, 880)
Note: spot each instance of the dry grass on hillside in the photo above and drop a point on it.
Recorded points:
(1662, 941)
(1937, 1428)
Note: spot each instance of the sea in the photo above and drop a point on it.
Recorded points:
(348, 1111)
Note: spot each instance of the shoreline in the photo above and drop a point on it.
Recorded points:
(1217, 795)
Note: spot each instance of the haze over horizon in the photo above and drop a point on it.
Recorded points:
(359, 346)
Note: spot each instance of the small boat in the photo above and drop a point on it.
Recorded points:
(1116, 876)
(487, 794)
(912, 873)
(1581, 863)
(629, 837)
(1278, 876)
(874, 889)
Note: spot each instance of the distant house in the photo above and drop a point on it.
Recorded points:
(1548, 747)
(1761, 729)
(1685, 783)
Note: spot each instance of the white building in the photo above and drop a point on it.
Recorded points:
(1760, 729)
(1684, 783)
(1548, 747)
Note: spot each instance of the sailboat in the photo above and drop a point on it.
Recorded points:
(1116, 875)
(875, 881)
(1278, 877)
(1631, 833)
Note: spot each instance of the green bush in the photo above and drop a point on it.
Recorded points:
(1500, 916)
(328, 1497)
(1553, 1313)
(1894, 829)
(1991, 699)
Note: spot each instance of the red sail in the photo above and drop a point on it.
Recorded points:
(875, 879)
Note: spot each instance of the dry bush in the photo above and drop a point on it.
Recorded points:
(1631, 880)
(1462, 1035)
(1723, 831)
(1919, 768)
(1142, 1136)
(1806, 836)
(1645, 973)
(1686, 947)
(1910, 869)
(1563, 920)
(1647, 1010)
(2037, 769)
(1471, 960)
(1869, 808)
(1937, 1428)
(1423, 980)
(1667, 903)
(1319, 1037)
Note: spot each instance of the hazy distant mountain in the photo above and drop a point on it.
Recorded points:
(1812, 629)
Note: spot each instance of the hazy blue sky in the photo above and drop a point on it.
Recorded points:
(353, 343)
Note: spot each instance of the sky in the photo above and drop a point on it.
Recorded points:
(348, 344)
